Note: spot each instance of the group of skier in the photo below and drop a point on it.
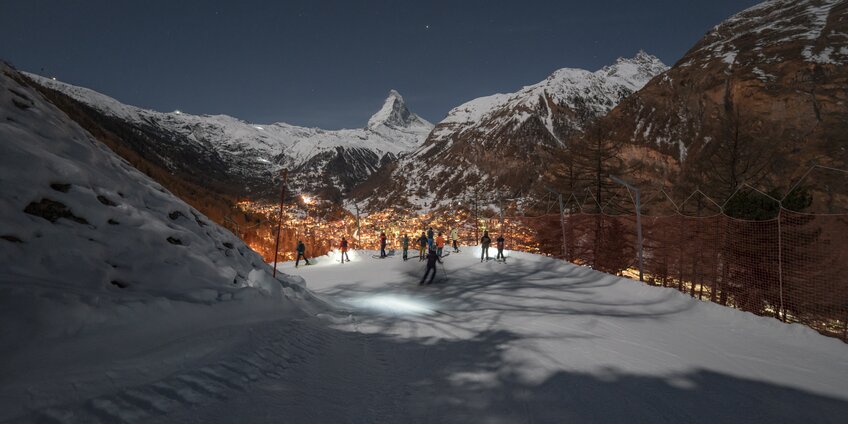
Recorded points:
(434, 246)
(486, 241)
(301, 252)
(430, 240)
(430, 248)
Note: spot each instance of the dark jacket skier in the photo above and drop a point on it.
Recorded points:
(382, 245)
(485, 242)
(501, 248)
(432, 258)
(343, 248)
(301, 253)
(422, 246)
(404, 242)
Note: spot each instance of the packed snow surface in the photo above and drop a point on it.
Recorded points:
(533, 340)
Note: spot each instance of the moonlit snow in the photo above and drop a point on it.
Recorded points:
(121, 303)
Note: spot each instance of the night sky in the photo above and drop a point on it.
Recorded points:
(331, 63)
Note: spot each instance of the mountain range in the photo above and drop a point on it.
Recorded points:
(504, 142)
(244, 158)
(397, 159)
(757, 100)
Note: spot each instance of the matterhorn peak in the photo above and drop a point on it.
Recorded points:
(394, 114)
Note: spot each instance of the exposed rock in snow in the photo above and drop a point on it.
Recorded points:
(773, 75)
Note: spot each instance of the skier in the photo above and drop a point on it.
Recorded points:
(454, 237)
(501, 248)
(382, 245)
(405, 244)
(343, 248)
(422, 246)
(432, 258)
(440, 244)
(485, 241)
(301, 253)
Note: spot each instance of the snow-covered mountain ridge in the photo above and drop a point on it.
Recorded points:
(598, 92)
(315, 157)
(502, 141)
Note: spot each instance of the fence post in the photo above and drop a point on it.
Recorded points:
(280, 220)
(782, 313)
(845, 328)
(638, 220)
(358, 228)
(562, 224)
(561, 221)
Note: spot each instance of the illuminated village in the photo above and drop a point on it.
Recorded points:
(321, 227)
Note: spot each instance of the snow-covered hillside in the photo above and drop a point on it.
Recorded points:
(97, 259)
(506, 141)
(87, 242)
(255, 152)
(78, 216)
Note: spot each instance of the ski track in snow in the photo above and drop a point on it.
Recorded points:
(272, 352)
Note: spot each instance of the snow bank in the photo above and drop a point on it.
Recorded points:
(87, 240)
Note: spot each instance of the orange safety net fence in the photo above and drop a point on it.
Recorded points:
(793, 267)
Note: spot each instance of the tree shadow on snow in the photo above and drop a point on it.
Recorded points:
(546, 288)
(472, 381)
(468, 376)
(475, 384)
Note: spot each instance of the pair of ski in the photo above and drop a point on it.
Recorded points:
(502, 261)
(390, 254)
(444, 255)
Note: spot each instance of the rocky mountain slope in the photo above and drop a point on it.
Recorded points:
(503, 141)
(244, 159)
(758, 100)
